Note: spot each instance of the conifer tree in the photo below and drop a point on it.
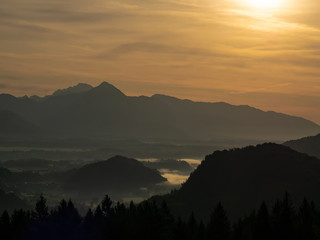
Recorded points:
(41, 209)
(106, 204)
(262, 227)
(306, 221)
(219, 226)
(5, 229)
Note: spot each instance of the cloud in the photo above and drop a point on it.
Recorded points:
(3, 85)
(158, 48)
(191, 48)
(4, 77)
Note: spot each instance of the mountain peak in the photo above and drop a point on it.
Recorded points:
(119, 160)
(79, 88)
(116, 175)
(107, 88)
(106, 85)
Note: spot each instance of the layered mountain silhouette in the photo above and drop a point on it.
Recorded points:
(309, 145)
(105, 112)
(242, 178)
(114, 176)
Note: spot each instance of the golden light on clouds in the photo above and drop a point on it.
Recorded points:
(265, 3)
(260, 53)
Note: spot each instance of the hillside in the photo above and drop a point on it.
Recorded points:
(104, 112)
(117, 175)
(309, 145)
(242, 178)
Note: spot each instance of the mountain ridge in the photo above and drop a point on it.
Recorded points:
(79, 88)
(106, 112)
(242, 178)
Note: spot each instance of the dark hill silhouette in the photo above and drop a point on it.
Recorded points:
(11, 124)
(114, 176)
(309, 145)
(242, 178)
(105, 112)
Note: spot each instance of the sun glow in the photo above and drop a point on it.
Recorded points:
(264, 3)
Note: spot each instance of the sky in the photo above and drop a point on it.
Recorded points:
(237, 51)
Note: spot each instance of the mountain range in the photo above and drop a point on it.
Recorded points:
(104, 112)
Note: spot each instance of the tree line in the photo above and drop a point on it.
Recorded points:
(148, 220)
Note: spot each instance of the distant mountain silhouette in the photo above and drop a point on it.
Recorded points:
(11, 124)
(114, 176)
(242, 178)
(81, 87)
(105, 112)
(309, 145)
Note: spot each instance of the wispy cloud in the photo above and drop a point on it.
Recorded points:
(191, 47)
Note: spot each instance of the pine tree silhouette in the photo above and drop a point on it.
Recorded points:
(219, 226)
(262, 226)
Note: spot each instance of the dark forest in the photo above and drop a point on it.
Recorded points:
(148, 220)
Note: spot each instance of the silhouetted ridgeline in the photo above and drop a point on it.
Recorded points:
(308, 145)
(150, 221)
(242, 178)
(105, 112)
(117, 175)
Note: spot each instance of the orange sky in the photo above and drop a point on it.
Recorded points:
(218, 50)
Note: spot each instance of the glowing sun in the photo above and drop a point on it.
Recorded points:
(264, 3)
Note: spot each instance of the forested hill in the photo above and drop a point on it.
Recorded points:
(148, 221)
(117, 175)
(242, 178)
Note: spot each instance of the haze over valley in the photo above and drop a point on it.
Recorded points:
(51, 144)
